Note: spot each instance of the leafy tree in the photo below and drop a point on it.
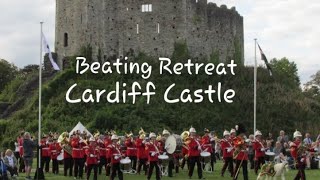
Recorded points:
(312, 88)
(8, 71)
(286, 72)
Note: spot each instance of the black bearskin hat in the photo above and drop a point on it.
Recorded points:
(240, 129)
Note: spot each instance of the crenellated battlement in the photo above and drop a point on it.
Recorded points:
(116, 28)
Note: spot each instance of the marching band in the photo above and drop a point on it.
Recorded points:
(82, 153)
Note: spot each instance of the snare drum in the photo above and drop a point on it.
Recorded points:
(205, 156)
(125, 164)
(164, 160)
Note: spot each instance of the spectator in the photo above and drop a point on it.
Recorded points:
(11, 163)
(278, 150)
(3, 170)
(251, 151)
(307, 140)
(28, 146)
(270, 139)
(283, 138)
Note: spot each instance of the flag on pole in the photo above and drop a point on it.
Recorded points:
(264, 58)
(47, 50)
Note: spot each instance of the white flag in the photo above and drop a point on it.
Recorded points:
(47, 50)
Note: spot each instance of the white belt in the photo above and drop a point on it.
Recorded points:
(131, 148)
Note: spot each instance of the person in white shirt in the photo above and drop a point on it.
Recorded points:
(308, 142)
(11, 163)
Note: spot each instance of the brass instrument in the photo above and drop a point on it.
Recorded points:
(159, 137)
(142, 134)
(96, 135)
(64, 142)
(302, 149)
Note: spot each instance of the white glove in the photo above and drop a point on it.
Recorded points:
(153, 154)
(262, 149)
(144, 141)
(116, 157)
(91, 155)
(302, 159)
(229, 150)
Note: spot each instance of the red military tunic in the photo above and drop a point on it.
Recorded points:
(77, 148)
(240, 144)
(152, 151)
(115, 153)
(225, 145)
(107, 142)
(161, 145)
(45, 150)
(258, 148)
(141, 153)
(131, 148)
(206, 144)
(294, 146)
(55, 150)
(194, 148)
(92, 153)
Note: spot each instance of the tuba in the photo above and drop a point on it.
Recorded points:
(96, 135)
(142, 134)
(64, 142)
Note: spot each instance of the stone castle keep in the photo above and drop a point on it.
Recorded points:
(117, 27)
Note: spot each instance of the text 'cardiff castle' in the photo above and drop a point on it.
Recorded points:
(118, 27)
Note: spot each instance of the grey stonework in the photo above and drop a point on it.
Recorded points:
(111, 25)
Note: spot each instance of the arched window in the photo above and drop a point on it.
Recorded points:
(65, 40)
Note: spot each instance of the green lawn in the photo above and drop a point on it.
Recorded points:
(311, 175)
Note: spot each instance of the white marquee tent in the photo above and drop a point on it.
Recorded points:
(80, 127)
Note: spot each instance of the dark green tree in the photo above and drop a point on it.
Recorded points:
(8, 71)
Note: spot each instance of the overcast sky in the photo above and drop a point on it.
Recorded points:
(284, 28)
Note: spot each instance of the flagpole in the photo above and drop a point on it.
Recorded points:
(255, 88)
(39, 173)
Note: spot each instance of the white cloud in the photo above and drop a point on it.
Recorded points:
(283, 27)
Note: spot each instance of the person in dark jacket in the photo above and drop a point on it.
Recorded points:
(28, 146)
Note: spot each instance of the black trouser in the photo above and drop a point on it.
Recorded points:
(45, 161)
(193, 160)
(133, 162)
(103, 163)
(67, 164)
(251, 159)
(154, 164)
(184, 161)
(12, 170)
(259, 161)
(244, 169)
(228, 162)
(142, 162)
(95, 171)
(115, 168)
(55, 166)
(212, 161)
(21, 165)
(108, 166)
(301, 167)
(78, 167)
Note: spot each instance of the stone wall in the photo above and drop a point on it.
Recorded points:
(118, 27)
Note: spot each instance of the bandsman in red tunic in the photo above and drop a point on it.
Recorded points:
(78, 145)
(153, 153)
(141, 152)
(298, 152)
(240, 153)
(67, 158)
(194, 153)
(102, 153)
(131, 151)
(227, 152)
(92, 160)
(107, 143)
(184, 152)
(45, 152)
(259, 150)
(55, 150)
(206, 143)
(116, 156)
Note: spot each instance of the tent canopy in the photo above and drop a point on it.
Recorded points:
(80, 127)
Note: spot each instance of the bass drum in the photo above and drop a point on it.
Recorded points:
(179, 143)
(60, 156)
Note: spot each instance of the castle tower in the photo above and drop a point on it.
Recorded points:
(150, 26)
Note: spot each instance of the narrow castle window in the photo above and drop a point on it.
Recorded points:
(146, 8)
(137, 28)
(158, 28)
(65, 40)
